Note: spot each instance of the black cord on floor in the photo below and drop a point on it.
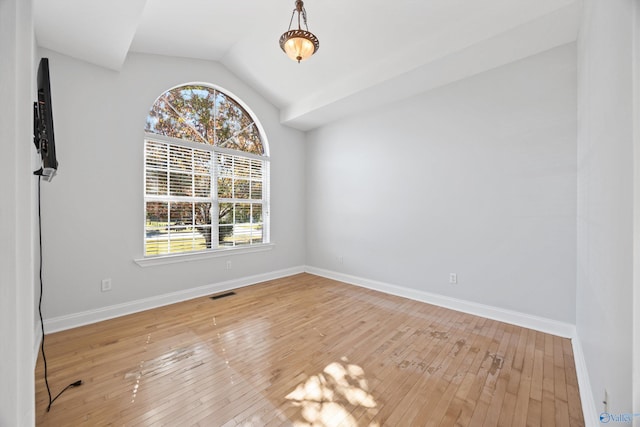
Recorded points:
(44, 357)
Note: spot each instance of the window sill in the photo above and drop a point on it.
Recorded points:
(176, 258)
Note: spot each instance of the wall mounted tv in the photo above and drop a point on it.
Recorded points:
(43, 136)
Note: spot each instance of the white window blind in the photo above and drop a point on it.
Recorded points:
(241, 199)
(193, 206)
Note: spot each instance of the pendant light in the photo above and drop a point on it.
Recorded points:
(299, 44)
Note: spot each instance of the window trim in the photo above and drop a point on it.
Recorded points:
(154, 260)
(149, 260)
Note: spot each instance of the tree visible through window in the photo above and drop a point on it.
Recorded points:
(206, 173)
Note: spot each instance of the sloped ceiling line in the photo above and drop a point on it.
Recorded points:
(373, 50)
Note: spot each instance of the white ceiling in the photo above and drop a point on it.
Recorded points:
(371, 51)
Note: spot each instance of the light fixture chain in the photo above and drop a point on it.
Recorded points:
(304, 18)
(291, 20)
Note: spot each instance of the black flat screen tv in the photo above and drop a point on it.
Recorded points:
(43, 136)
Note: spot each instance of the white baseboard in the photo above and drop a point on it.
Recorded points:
(554, 327)
(62, 323)
(589, 409)
(541, 324)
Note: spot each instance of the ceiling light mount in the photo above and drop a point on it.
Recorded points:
(299, 44)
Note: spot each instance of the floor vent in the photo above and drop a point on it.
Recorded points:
(226, 294)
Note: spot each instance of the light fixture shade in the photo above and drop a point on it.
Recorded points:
(299, 44)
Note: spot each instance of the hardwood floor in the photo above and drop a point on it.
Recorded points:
(305, 350)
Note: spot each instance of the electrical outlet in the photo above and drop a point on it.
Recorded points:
(340, 259)
(106, 285)
(228, 265)
(453, 278)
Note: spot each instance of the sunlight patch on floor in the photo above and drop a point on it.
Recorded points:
(331, 397)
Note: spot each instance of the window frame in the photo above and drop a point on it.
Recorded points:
(215, 250)
(214, 199)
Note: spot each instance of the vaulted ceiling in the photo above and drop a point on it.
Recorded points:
(371, 51)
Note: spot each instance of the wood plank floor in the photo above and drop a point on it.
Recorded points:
(305, 350)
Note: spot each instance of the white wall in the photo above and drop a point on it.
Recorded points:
(476, 178)
(93, 209)
(605, 200)
(16, 214)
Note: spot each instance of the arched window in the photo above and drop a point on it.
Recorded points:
(206, 173)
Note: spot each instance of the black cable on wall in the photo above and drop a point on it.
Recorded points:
(44, 357)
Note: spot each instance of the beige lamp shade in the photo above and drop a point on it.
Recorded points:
(299, 44)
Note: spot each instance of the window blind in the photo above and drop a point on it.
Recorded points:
(200, 199)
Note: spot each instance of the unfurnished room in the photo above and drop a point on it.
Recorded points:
(320, 213)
